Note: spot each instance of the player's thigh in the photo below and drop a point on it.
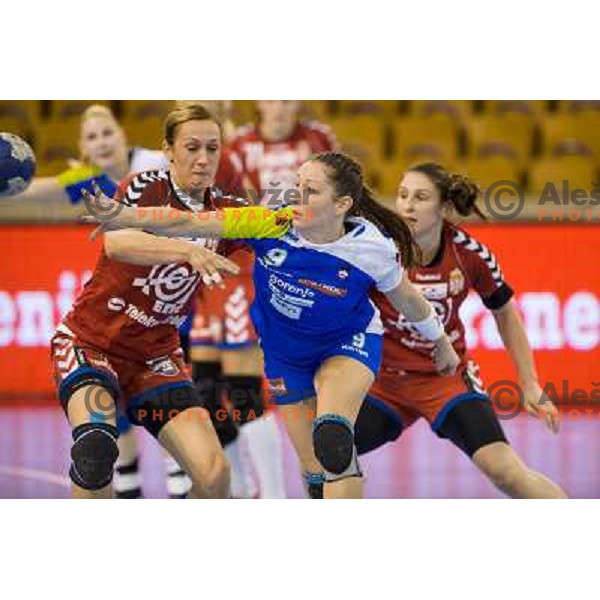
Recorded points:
(191, 439)
(342, 384)
(91, 403)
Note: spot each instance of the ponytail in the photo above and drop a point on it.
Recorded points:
(454, 188)
(388, 222)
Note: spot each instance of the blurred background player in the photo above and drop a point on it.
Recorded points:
(106, 158)
(260, 162)
(407, 388)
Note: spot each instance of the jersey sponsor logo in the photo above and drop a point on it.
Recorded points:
(169, 283)
(139, 316)
(325, 288)
(116, 304)
(163, 366)
(301, 295)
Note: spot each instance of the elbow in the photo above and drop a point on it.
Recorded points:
(113, 245)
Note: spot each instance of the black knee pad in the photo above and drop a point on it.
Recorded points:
(314, 483)
(246, 398)
(375, 427)
(333, 441)
(207, 380)
(471, 425)
(94, 453)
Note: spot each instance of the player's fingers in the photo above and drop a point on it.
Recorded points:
(228, 265)
(96, 233)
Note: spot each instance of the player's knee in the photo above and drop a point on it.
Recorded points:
(333, 442)
(94, 453)
(211, 477)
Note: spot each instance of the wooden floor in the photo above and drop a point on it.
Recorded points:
(34, 450)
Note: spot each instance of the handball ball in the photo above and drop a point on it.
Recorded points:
(17, 164)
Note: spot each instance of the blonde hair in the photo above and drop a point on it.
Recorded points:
(184, 111)
(96, 111)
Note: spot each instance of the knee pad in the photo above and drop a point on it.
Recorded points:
(245, 396)
(333, 441)
(94, 453)
(314, 483)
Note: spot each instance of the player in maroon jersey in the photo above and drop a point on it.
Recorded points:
(260, 162)
(456, 406)
(119, 343)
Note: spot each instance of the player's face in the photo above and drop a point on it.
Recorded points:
(418, 202)
(318, 208)
(103, 142)
(278, 117)
(195, 154)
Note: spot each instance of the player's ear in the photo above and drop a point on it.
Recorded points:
(343, 204)
(168, 150)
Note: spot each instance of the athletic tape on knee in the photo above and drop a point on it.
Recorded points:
(333, 441)
(94, 453)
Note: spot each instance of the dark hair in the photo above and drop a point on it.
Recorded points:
(454, 188)
(347, 178)
(184, 111)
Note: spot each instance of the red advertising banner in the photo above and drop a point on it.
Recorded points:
(553, 269)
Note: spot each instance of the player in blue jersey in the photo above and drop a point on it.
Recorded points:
(316, 263)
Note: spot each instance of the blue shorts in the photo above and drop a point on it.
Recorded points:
(291, 380)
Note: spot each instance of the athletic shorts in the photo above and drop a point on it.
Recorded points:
(290, 381)
(222, 317)
(131, 381)
(414, 395)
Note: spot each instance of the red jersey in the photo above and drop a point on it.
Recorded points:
(273, 165)
(126, 309)
(462, 263)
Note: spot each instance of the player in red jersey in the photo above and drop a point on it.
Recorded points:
(120, 343)
(260, 162)
(456, 406)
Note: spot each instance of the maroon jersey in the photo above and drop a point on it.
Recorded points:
(462, 263)
(267, 165)
(129, 310)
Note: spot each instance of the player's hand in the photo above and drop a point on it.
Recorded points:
(539, 405)
(209, 264)
(445, 358)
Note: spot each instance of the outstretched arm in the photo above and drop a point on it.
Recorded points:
(407, 300)
(145, 249)
(515, 340)
(231, 223)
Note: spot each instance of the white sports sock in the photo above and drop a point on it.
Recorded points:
(178, 483)
(242, 482)
(263, 440)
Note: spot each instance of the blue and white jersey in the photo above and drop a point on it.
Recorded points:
(317, 293)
